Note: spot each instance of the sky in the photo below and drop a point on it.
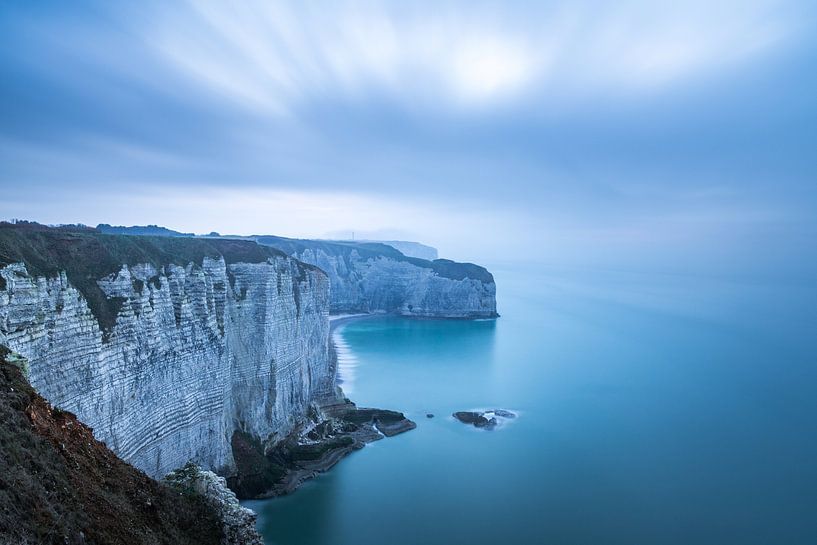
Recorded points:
(644, 134)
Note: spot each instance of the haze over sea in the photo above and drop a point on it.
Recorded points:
(653, 408)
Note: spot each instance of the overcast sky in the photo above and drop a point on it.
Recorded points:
(645, 132)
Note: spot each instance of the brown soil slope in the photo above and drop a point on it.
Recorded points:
(59, 485)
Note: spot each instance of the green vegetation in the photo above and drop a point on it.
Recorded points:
(362, 416)
(182, 479)
(87, 256)
(142, 230)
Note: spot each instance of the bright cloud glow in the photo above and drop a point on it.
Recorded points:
(274, 56)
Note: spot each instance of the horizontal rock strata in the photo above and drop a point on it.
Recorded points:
(372, 277)
(197, 351)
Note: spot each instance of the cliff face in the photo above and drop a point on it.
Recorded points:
(58, 485)
(206, 338)
(373, 277)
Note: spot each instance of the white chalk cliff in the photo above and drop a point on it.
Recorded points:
(196, 352)
(376, 277)
(166, 346)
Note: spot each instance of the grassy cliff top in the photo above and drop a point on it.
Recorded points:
(87, 255)
(372, 250)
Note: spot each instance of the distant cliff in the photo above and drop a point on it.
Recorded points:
(376, 277)
(167, 346)
(399, 277)
(411, 249)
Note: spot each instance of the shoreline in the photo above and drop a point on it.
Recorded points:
(336, 320)
(335, 428)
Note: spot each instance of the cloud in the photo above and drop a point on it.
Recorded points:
(274, 57)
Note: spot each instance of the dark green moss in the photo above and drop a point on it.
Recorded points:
(362, 416)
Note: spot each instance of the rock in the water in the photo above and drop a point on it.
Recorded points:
(429, 415)
(487, 423)
(486, 420)
(467, 417)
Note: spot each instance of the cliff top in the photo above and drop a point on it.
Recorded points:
(87, 255)
(366, 249)
(59, 485)
(372, 250)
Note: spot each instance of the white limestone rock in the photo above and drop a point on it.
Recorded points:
(196, 353)
(237, 522)
(383, 284)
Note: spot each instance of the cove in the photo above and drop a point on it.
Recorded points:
(658, 409)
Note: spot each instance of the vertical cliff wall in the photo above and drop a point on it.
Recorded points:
(374, 277)
(165, 347)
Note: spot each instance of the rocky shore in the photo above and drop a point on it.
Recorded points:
(334, 428)
(333, 431)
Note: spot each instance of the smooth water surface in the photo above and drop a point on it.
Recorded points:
(653, 410)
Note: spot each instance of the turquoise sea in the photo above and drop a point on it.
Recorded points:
(653, 409)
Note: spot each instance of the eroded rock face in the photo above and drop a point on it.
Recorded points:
(196, 353)
(376, 277)
(388, 285)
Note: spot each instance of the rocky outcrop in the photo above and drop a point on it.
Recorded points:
(167, 346)
(333, 430)
(484, 419)
(237, 522)
(375, 277)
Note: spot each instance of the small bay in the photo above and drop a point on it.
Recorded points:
(654, 409)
